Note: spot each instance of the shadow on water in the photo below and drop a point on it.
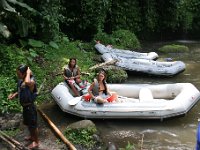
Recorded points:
(175, 133)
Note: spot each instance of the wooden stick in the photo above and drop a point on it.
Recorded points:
(103, 64)
(82, 73)
(7, 141)
(18, 145)
(141, 148)
(41, 86)
(58, 132)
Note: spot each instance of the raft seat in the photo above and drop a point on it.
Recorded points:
(145, 95)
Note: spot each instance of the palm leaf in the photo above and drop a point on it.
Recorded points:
(6, 6)
(22, 5)
(4, 30)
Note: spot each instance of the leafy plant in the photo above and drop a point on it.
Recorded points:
(33, 53)
(54, 45)
(129, 146)
(35, 43)
(104, 38)
(11, 132)
(173, 48)
(7, 86)
(81, 136)
(10, 15)
(126, 39)
(118, 76)
(120, 38)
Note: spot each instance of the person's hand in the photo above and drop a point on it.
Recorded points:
(105, 101)
(28, 71)
(71, 78)
(11, 96)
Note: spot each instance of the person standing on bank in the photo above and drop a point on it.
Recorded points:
(27, 93)
(72, 75)
(98, 90)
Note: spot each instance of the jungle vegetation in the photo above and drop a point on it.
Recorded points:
(45, 33)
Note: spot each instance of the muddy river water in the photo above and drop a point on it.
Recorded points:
(171, 134)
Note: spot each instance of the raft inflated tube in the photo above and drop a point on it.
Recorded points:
(87, 97)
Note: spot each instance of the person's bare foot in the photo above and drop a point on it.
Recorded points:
(33, 145)
(105, 101)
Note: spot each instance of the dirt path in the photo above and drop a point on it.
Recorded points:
(47, 138)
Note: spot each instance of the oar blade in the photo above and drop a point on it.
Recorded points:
(74, 101)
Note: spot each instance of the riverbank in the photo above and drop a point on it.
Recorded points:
(47, 64)
(49, 139)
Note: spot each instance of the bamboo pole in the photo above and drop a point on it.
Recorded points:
(7, 141)
(41, 86)
(58, 132)
(82, 73)
(13, 141)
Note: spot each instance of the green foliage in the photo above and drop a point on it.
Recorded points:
(192, 18)
(7, 85)
(185, 17)
(4, 31)
(23, 43)
(10, 56)
(150, 15)
(35, 43)
(173, 48)
(60, 58)
(40, 61)
(86, 46)
(11, 132)
(125, 39)
(119, 38)
(65, 39)
(81, 136)
(13, 19)
(82, 19)
(125, 15)
(168, 12)
(104, 38)
(51, 16)
(94, 13)
(118, 76)
(54, 45)
(85, 17)
(33, 53)
(128, 147)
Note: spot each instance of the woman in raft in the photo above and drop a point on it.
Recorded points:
(72, 75)
(98, 90)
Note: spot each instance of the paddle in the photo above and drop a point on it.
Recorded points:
(74, 101)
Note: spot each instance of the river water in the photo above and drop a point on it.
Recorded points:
(171, 134)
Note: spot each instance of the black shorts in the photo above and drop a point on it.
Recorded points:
(30, 116)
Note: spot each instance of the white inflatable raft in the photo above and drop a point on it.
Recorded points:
(125, 53)
(141, 101)
(146, 66)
